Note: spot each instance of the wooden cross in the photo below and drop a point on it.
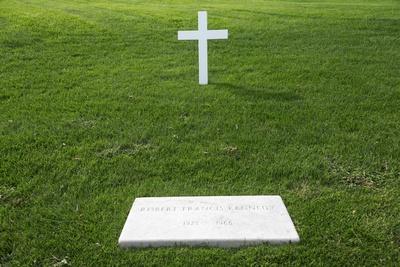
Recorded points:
(203, 35)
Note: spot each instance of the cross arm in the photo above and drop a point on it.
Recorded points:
(217, 34)
(188, 35)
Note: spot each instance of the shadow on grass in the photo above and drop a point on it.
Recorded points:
(258, 93)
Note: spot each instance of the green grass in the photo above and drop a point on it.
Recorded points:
(99, 104)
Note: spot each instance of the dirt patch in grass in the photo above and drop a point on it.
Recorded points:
(126, 149)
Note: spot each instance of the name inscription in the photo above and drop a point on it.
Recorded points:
(209, 208)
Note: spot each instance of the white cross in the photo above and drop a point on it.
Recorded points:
(202, 35)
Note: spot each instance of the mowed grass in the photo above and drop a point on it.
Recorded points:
(99, 104)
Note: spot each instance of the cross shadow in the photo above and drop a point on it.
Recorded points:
(258, 93)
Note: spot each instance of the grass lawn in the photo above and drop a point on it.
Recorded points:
(100, 103)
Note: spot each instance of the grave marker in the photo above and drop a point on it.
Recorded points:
(202, 35)
(222, 221)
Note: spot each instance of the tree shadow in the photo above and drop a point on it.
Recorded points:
(258, 93)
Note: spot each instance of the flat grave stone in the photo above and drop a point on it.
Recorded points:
(220, 221)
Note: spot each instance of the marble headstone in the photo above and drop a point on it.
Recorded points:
(222, 221)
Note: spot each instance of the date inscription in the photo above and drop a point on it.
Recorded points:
(224, 222)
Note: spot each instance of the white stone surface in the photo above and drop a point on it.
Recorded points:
(223, 221)
(202, 35)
